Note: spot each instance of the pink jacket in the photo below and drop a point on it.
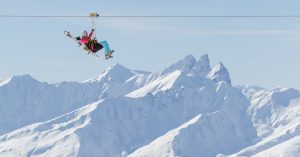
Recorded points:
(87, 39)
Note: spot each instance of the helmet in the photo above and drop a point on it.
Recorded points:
(84, 33)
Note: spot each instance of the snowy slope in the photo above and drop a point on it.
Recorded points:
(186, 109)
(121, 125)
(56, 137)
(288, 148)
(213, 133)
(275, 115)
(161, 84)
(115, 126)
(25, 100)
(162, 146)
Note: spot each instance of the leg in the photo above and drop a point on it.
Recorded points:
(105, 46)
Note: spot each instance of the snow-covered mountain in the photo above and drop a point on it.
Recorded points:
(187, 109)
(276, 117)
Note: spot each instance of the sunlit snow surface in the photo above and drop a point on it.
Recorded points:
(187, 109)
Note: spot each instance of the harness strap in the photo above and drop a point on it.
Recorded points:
(90, 44)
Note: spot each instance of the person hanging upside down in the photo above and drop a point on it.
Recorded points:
(93, 45)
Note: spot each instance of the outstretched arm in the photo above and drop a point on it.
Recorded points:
(91, 34)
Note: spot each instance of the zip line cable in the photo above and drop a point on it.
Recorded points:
(152, 16)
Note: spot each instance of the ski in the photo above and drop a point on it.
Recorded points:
(109, 54)
(87, 50)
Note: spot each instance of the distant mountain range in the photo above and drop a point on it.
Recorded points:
(188, 109)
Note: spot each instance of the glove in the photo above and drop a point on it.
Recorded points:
(93, 30)
(77, 38)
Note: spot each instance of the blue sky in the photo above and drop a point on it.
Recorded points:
(263, 52)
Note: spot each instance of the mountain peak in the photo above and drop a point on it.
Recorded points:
(202, 67)
(184, 65)
(19, 79)
(116, 72)
(204, 58)
(25, 76)
(191, 66)
(117, 66)
(189, 59)
(219, 73)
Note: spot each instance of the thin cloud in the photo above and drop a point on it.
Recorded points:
(143, 28)
(242, 32)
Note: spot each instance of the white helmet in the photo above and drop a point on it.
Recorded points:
(84, 33)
